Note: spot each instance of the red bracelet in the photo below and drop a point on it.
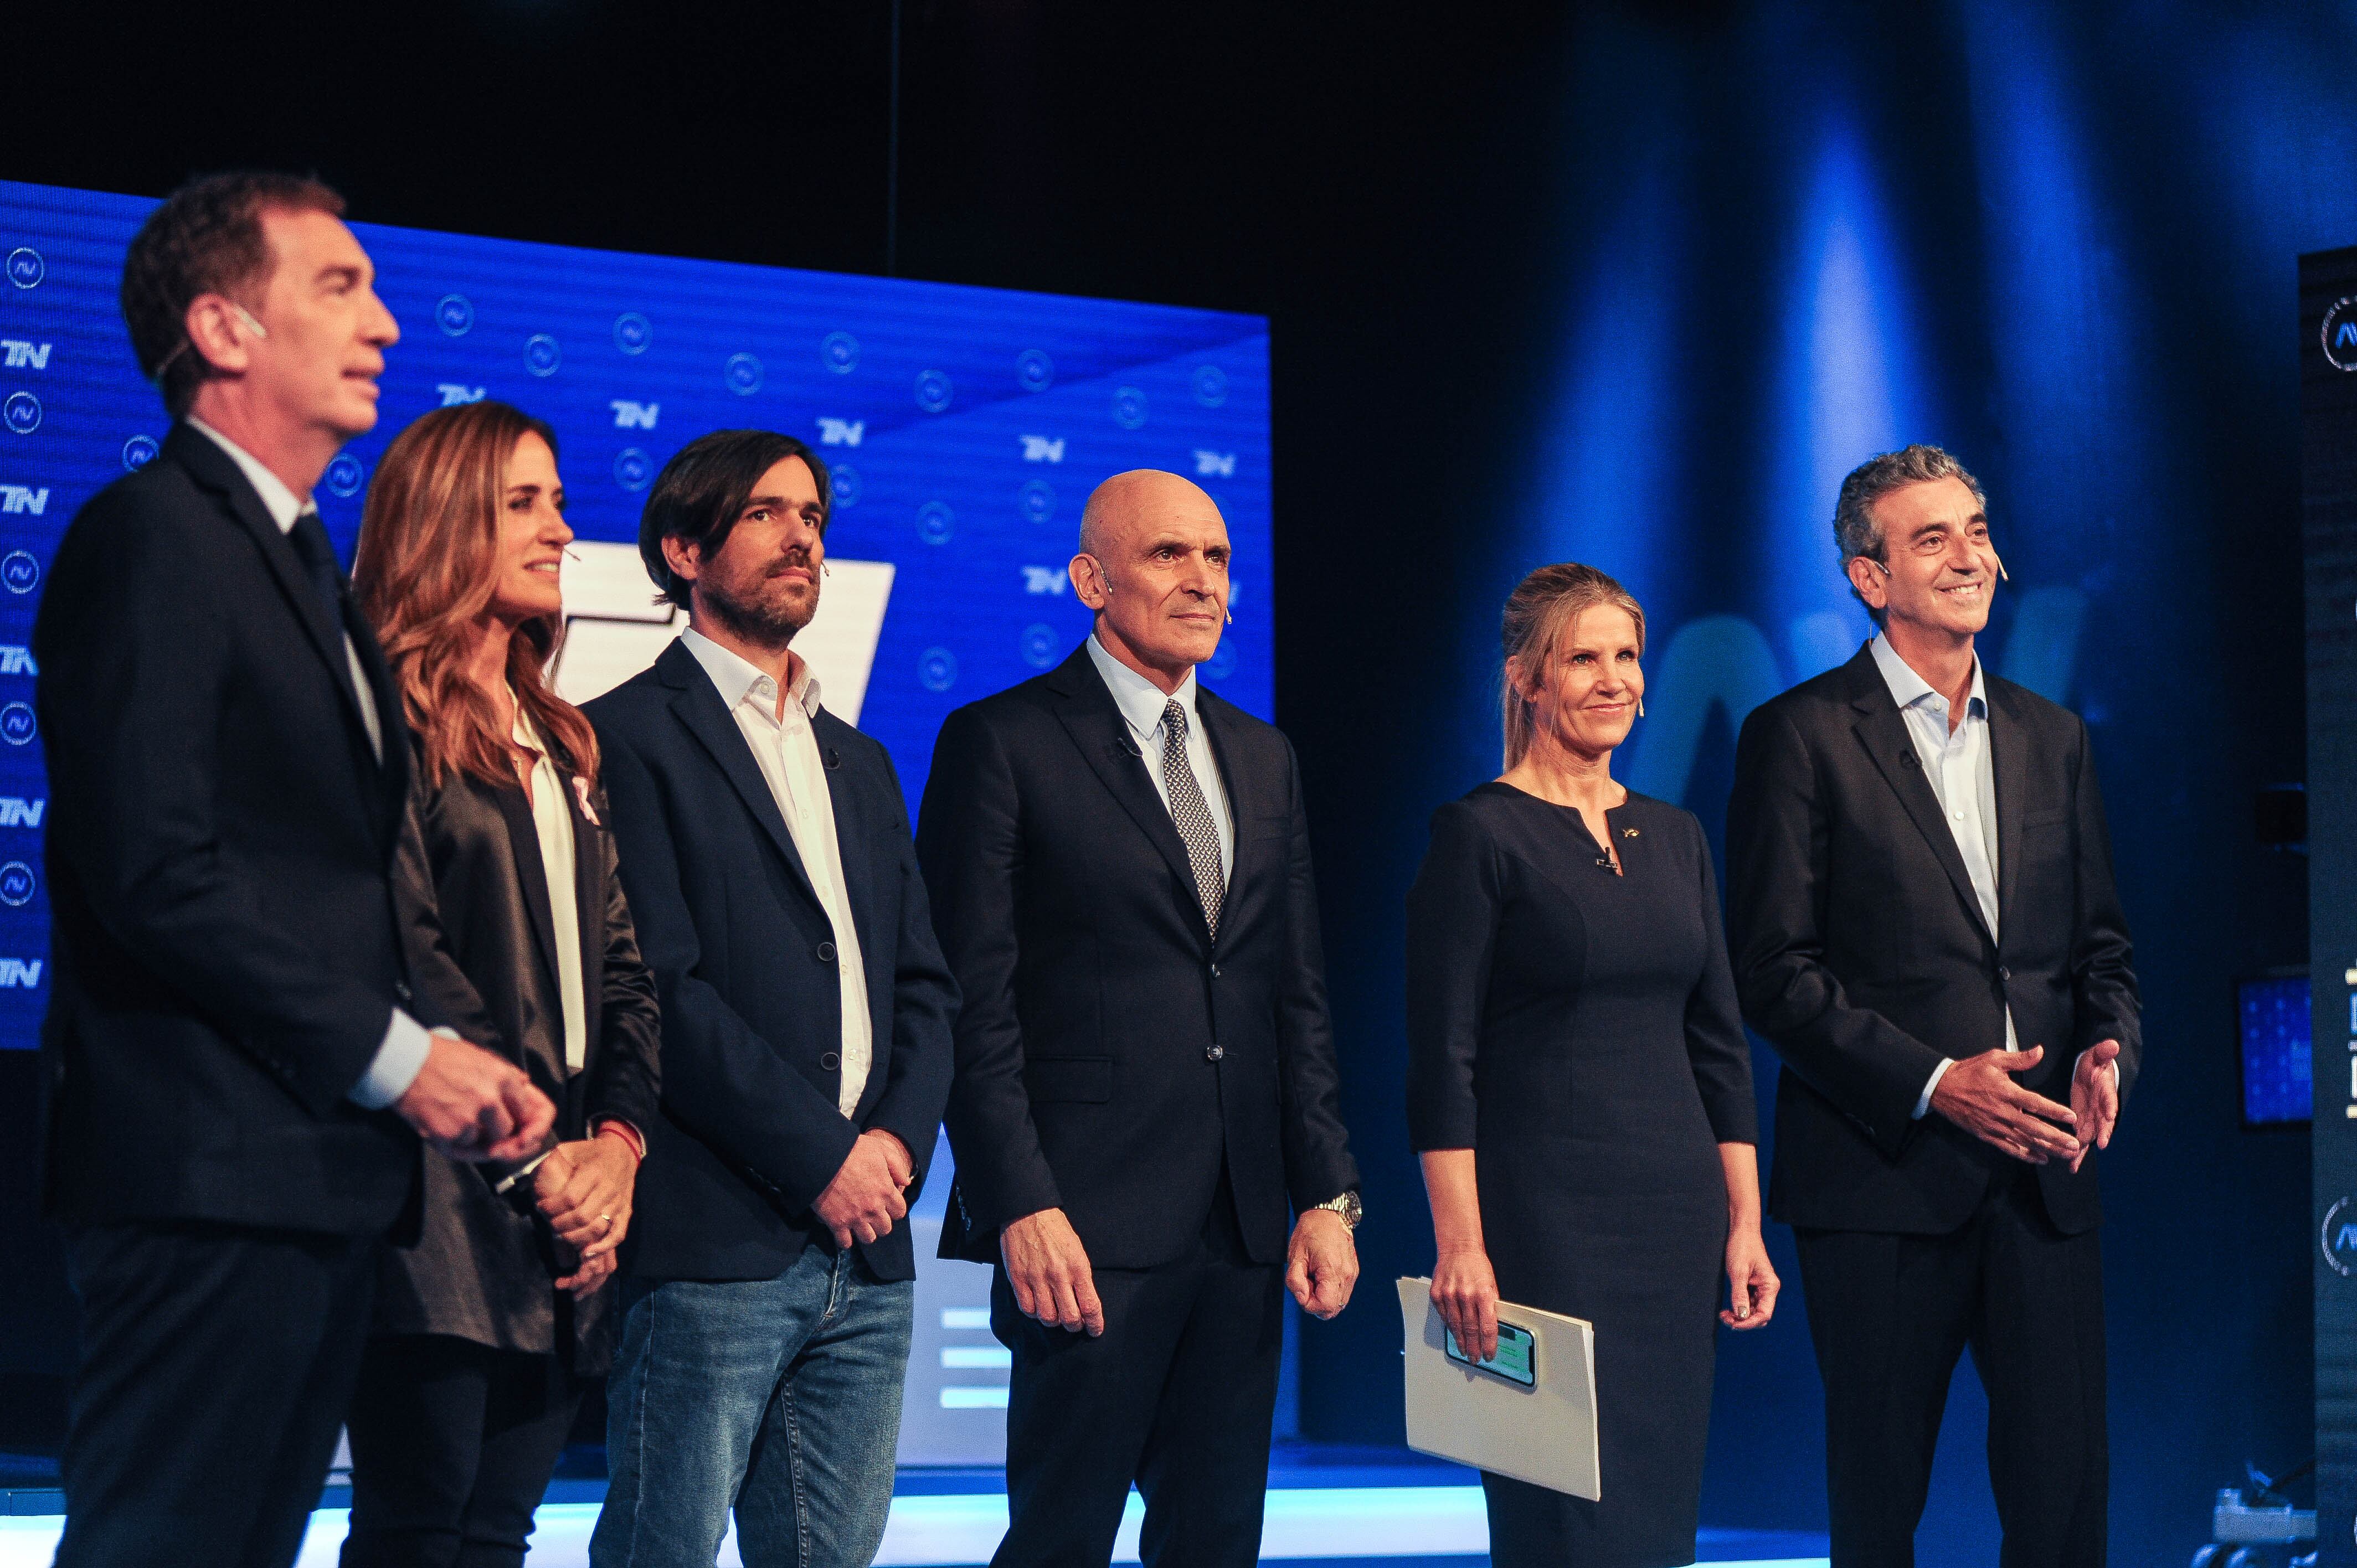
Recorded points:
(627, 1134)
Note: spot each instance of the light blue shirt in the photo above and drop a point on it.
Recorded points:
(402, 1056)
(1141, 702)
(1963, 780)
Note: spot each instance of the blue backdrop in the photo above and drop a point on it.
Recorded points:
(964, 426)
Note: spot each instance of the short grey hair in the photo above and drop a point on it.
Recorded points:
(1856, 531)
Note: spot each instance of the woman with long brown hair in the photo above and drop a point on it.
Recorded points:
(518, 938)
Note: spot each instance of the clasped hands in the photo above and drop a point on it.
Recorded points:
(1049, 1270)
(475, 1105)
(1980, 1095)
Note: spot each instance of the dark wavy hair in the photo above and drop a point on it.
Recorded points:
(428, 562)
(701, 491)
(206, 238)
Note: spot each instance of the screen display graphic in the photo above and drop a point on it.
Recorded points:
(964, 427)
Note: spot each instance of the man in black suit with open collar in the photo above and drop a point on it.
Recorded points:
(1925, 927)
(234, 1084)
(1145, 1079)
(806, 1050)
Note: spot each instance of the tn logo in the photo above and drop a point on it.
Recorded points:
(840, 431)
(2345, 338)
(23, 497)
(17, 812)
(17, 661)
(628, 415)
(20, 354)
(1220, 463)
(20, 973)
(456, 392)
(1042, 449)
(2347, 1240)
(1044, 580)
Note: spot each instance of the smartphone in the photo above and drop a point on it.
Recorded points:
(1514, 1360)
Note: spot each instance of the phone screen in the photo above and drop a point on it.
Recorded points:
(1513, 1361)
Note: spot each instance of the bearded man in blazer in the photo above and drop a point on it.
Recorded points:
(766, 854)
(234, 1080)
(1145, 1082)
(1925, 926)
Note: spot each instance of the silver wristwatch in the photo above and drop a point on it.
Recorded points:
(1347, 1205)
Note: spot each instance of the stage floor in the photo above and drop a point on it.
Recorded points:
(1331, 1507)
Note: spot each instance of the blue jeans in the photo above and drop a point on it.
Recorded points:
(779, 1396)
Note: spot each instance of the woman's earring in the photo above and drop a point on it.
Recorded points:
(1641, 707)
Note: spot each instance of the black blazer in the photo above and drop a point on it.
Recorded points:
(1109, 1050)
(1860, 952)
(743, 957)
(224, 951)
(480, 934)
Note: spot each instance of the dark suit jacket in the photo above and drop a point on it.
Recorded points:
(1110, 1052)
(1860, 951)
(743, 956)
(224, 950)
(481, 940)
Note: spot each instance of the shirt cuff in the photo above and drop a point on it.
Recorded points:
(396, 1064)
(630, 1134)
(2113, 1064)
(1923, 1102)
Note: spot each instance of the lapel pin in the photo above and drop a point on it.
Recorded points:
(1627, 833)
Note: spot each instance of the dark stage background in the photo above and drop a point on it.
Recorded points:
(1631, 284)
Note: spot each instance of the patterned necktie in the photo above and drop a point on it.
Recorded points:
(1192, 816)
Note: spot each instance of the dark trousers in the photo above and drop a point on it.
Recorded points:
(1176, 1396)
(1891, 1315)
(453, 1444)
(215, 1365)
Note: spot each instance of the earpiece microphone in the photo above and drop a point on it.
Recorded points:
(1232, 617)
(1129, 743)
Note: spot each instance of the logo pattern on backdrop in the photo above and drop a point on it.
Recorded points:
(960, 427)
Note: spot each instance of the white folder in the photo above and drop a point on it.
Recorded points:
(1544, 1433)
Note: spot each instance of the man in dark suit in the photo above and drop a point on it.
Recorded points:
(231, 1079)
(1925, 927)
(806, 1049)
(1145, 1079)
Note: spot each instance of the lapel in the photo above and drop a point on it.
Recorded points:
(1217, 720)
(1882, 730)
(1091, 717)
(2010, 762)
(697, 703)
(215, 470)
(391, 726)
(848, 804)
(532, 877)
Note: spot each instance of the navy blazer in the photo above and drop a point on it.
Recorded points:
(221, 839)
(1113, 1055)
(1860, 952)
(743, 956)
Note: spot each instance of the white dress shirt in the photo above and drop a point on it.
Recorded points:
(1141, 702)
(1963, 779)
(553, 824)
(787, 750)
(397, 1062)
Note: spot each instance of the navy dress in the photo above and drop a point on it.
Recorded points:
(1577, 1030)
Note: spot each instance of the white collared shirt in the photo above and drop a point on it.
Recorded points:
(553, 824)
(1963, 780)
(398, 1060)
(1141, 702)
(787, 750)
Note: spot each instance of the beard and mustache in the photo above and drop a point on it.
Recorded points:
(753, 613)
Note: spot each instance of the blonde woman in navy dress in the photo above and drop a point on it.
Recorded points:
(1579, 1086)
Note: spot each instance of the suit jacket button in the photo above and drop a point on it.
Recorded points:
(1215, 971)
(826, 952)
(830, 1061)
(1215, 1053)
(2003, 973)
(401, 990)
